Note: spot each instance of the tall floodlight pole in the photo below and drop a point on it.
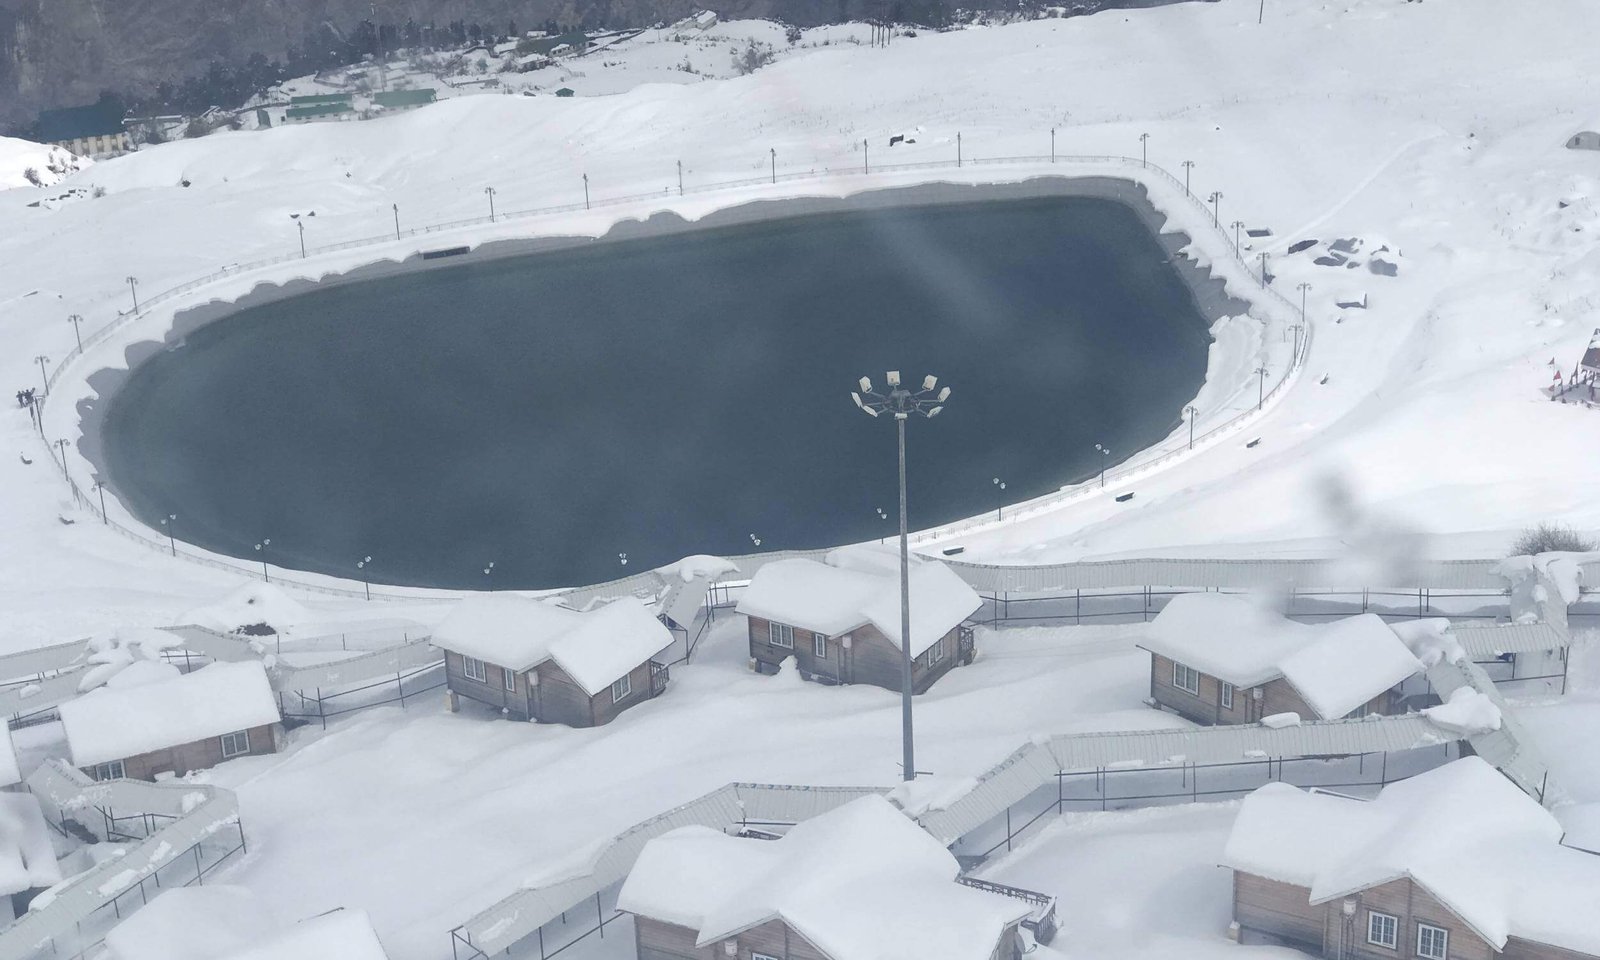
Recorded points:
(486, 572)
(100, 488)
(489, 191)
(1236, 225)
(1262, 256)
(1216, 208)
(1295, 356)
(1192, 412)
(1304, 286)
(77, 319)
(774, 152)
(1261, 372)
(902, 403)
(302, 225)
(1105, 452)
(172, 541)
(261, 548)
(1000, 499)
(1144, 149)
(133, 288)
(62, 446)
(1188, 165)
(41, 359)
(366, 576)
(586, 191)
(866, 165)
(396, 207)
(1052, 144)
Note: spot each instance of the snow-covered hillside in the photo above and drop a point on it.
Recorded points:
(24, 163)
(1420, 412)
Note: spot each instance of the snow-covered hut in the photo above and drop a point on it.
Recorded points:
(1217, 658)
(225, 922)
(27, 858)
(1455, 862)
(189, 722)
(538, 661)
(842, 624)
(861, 882)
(1584, 140)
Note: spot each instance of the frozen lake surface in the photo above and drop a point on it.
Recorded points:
(662, 396)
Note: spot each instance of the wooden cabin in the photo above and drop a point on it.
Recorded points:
(860, 882)
(842, 625)
(173, 726)
(1218, 658)
(1454, 864)
(534, 660)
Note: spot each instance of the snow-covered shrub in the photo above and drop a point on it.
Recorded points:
(753, 57)
(1550, 538)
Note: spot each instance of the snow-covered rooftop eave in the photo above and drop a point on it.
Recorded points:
(1235, 678)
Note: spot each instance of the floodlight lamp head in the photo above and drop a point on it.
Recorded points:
(944, 394)
(934, 412)
(929, 382)
(893, 376)
(857, 398)
(870, 411)
(866, 385)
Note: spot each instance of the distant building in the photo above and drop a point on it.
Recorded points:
(173, 726)
(94, 131)
(1451, 864)
(404, 99)
(1589, 366)
(860, 882)
(322, 106)
(1217, 658)
(842, 625)
(566, 92)
(538, 661)
(533, 61)
(1584, 140)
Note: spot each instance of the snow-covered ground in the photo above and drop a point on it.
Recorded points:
(1420, 414)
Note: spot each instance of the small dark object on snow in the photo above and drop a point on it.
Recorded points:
(1324, 379)
(952, 551)
(897, 138)
(1258, 232)
(1252, 443)
(64, 521)
(1331, 260)
(1345, 245)
(25, 461)
(1302, 245)
(1354, 304)
(1125, 498)
(1383, 268)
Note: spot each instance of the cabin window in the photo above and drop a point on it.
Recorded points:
(1227, 696)
(780, 635)
(1383, 929)
(621, 688)
(936, 652)
(819, 646)
(762, 956)
(474, 669)
(235, 744)
(1432, 942)
(1185, 678)
(510, 677)
(109, 771)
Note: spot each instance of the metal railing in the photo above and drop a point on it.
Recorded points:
(1221, 251)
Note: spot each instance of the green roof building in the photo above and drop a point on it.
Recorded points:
(404, 99)
(566, 92)
(320, 99)
(317, 111)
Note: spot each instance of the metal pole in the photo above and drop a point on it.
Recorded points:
(396, 207)
(101, 487)
(1188, 165)
(958, 149)
(302, 226)
(865, 166)
(586, 191)
(1052, 144)
(75, 320)
(908, 761)
(680, 178)
(133, 288)
(774, 152)
(44, 378)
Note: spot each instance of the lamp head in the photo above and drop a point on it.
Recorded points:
(893, 376)
(934, 412)
(944, 394)
(866, 385)
(929, 382)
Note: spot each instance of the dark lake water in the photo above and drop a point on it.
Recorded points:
(664, 396)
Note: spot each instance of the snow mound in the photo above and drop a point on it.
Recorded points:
(926, 794)
(1277, 721)
(49, 164)
(1430, 641)
(247, 606)
(1466, 712)
(193, 923)
(699, 567)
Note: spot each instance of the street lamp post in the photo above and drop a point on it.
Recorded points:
(302, 225)
(100, 488)
(366, 577)
(133, 288)
(1296, 327)
(1192, 412)
(486, 572)
(1052, 144)
(680, 178)
(62, 446)
(1000, 499)
(1304, 286)
(396, 207)
(1216, 208)
(489, 192)
(1236, 225)
(261, 548)
(586, 191)
(1188, 165)
(773, 151)
(1262, 256)
(44, 378)
(1106, 452)
(76, 320)
(1261, 372)
(866, 166)
(881, 516)
(958, 149)
(902, 403)
(167, 522)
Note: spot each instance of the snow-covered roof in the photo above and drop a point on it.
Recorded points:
(193, 923)
(341, 935)
(861, 882)
(27, 859)
(250, 604)
(1335, 666)
(10, 772)
(116, 723)
(1463, 832)
(835, 600)
(595, 647)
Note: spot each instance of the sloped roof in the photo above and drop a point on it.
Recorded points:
(115, 723)
(1335, 666)
(835, 600)
(862, 882)
(595, 647)
(1466, 834)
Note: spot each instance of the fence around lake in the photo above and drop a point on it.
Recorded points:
(1218, 245)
